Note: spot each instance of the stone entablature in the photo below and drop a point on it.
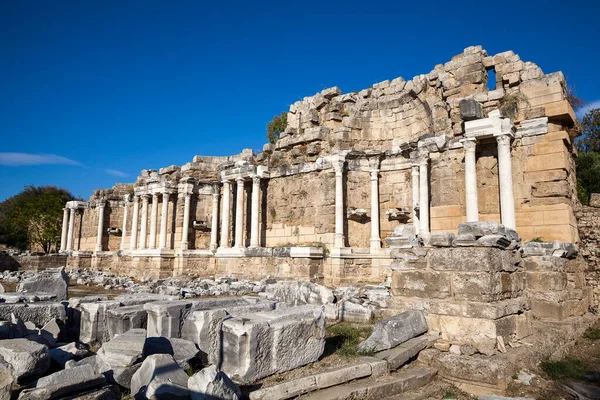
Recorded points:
(431, 153)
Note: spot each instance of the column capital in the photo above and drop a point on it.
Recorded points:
(374, 174)
(338, 162)
(126, 198)
(227, 181)
(504, 139)
(240, 180)
(469, 144)
(145, 197)
(374, 161)
(256, 179)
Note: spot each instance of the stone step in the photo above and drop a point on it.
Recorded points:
(392, 384)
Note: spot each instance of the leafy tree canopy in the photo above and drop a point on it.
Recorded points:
(276, 126)
(33, 217)
(590, 139)
(588, 171)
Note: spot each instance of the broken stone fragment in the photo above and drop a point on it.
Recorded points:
(52, 280)
(396, 330)
(210, 383)
(470, 109)
(28, 359)
(160, 377)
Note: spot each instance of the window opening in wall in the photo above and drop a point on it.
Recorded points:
(491, 83)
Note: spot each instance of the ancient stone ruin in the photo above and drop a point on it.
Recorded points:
(442, 208)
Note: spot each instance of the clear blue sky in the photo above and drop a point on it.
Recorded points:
(94, 91)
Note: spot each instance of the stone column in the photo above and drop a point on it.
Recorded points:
(100, 233)
(375, 239)
(338, 166)
(424, 197)
(214, 225)
(144, 224)
(162, 243)
(239, 214)
(153, 220)
(71, 228)
(65, 228)
(225, 214)
(507, 200)
(134, 222)
(255, 210)
(415, 197)
(124, 229)
(185, 231)
(471, 180)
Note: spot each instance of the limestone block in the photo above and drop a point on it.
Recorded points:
(93, 321)
(424, 284)
(7, 380)
(51, 280)
(269, 342)
(546, 281)
(595, 200)
(352, 312)
(28, 359)
(298, 293)
(486, 287)
(551, 189)
(97, 364)
(210, 383)
(160, 377)
(203, 327)
(482, 228)
(396, 330)
(73, 375)
(37, 313)
(441, 239)
(124, 350)
(123, 319)
(470, 109)
(183, 351)
(60, 355)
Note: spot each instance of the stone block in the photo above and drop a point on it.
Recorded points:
(352, 312)
(28, 359)
(160, 377)
(441, 239)
(424, 284)
(468, 259)
(396, 330)
(51, 280)
(210, 383)
(546, 281)
(123, 351)
(595, 200)
(269, 342)
(470, 109)
(203, 327)
(183, 351)
(486, 287)
(123, 319)
(37, 313)
(93, 321)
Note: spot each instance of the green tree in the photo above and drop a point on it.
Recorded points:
(590, 127)
(588, 171)
(276, 126)
(33, 217)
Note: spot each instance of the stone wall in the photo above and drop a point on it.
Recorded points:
(31, 263)
(588, 220)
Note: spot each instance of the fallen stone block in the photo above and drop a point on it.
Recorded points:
(352, 312)
(400, 355)
(183, 351)
(393, 331)
(60, 355)
(37, 313)
(481, 228)
(160, 377)
(122, 319)
(441, 239)
(165, 318)
(259, 345)
(51, 280)
(93, 321)
(28, 359)
(97, 363)
(63, 389)
(72, 375)
(7, 380)
(297, 293)
(123, 352)
(16, 297)
(210, 383)
(204, 326)
(105, 392)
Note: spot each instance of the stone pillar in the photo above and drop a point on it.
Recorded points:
(424, 197)
(338, 166)
(507, 200)
(65, 228)
(100, 233)
(225, 214)
(144, 224)
(134, 222)
(162, 243)
(375, 239)
(214, 225)
(71, 228)
(124, 229)
(471, 180)
(185, 231)
(239, 214)
(255, 210)
(415, 197)
(153, 220)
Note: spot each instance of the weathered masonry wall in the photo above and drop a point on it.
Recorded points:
(430, 152)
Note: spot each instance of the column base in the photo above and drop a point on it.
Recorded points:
(375, 243)
(231, 252)
(339, 240)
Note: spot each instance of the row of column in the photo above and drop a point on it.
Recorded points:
(238, 241)
(66, 237)
(505, 182)
(143, 242)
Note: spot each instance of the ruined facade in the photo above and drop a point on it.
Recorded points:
(428, 153)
